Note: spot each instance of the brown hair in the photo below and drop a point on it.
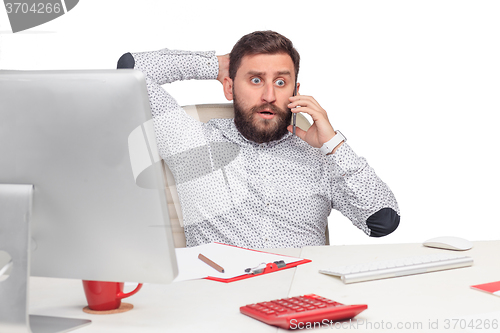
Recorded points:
(261, 42)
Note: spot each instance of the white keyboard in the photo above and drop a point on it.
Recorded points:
(399, 267)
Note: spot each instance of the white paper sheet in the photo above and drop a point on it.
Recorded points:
(234, 260)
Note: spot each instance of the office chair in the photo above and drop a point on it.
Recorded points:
(203, 113)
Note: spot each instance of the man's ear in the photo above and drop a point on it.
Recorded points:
(298, 87)
(228, 88)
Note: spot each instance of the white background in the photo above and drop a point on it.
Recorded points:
(413, 85)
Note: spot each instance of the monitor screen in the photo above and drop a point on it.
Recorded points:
(85, 140)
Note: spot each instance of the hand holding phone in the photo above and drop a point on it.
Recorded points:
(321, 130)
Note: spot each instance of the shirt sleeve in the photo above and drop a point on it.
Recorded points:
(360, 195)
(167, 66)
(176, 132)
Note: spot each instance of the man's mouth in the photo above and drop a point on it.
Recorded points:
(266, 114)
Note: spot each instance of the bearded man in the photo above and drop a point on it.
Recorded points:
(249, 181)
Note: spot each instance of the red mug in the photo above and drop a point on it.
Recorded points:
(103, 296)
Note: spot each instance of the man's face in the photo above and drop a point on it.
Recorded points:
(260, 91)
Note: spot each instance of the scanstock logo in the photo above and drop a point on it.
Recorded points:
(26, 14)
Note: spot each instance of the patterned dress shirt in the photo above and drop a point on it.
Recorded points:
(235, 191)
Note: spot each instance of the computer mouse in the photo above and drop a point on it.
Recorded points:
(449, 243)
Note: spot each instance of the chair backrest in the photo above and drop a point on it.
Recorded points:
(203, 113)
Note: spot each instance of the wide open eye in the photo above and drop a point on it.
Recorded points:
(280, 83)
(256, 80)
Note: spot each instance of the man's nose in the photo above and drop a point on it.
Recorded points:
(268, 93)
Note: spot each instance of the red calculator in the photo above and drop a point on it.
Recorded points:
(301, 311)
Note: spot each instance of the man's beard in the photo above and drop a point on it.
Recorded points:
(258, 129)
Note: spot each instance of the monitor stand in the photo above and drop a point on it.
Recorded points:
(15, 239)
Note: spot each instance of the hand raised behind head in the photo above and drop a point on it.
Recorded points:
(223, 67)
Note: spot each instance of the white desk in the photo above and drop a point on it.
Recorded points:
(416, 301)
(189, 306)
(209, 306)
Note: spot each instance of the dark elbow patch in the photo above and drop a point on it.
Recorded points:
(383, 222)
(126, 61)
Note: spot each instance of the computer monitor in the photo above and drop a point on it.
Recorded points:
(85, 141)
